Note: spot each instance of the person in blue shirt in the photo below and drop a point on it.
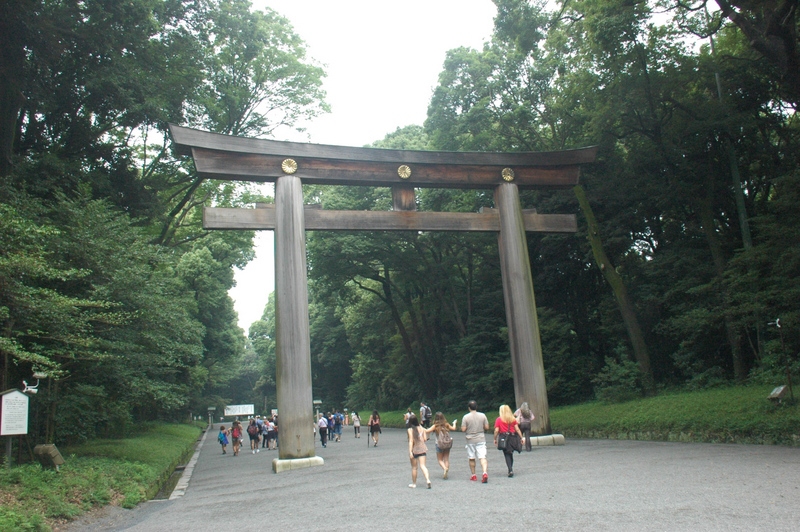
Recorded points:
(338, 419)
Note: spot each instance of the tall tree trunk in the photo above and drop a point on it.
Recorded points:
(740, 369)
(14, 17)
(617, 285)
(707, 221)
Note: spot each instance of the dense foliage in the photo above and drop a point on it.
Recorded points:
(687, 251)
(108, 283)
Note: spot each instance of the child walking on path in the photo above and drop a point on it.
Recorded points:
(222, 437)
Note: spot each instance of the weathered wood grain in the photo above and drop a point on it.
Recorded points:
(292, 339)
(321, 220)
(523, 325)
(186, 138)
(237, 158)
(404, 198)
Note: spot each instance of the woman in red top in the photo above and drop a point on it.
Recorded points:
(506, 422)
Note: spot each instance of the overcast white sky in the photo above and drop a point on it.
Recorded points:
(383, 60)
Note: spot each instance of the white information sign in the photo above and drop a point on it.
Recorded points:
(240, 410)
(14, 413)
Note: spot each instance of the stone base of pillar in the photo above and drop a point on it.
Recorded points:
(544, 441)
(278, 465)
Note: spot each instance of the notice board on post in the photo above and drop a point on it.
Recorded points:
(14, 413)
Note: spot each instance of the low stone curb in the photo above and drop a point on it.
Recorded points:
(279, 465)
(544, 441)
(183, 483)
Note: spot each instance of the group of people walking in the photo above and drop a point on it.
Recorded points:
(261, 432)
(511, 429)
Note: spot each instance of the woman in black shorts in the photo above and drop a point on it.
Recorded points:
(375, 427)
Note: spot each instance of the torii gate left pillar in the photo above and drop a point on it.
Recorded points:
(293, 343)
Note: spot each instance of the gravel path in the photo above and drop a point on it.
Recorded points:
(585, 484)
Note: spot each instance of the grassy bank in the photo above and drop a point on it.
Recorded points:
(122, 472)
(739, 414)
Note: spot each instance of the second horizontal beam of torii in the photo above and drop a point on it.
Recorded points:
(317, 219)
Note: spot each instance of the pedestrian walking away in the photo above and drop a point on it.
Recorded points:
(525, 417)
(236, 436)
(255, 434)
(264, 431)
(425, 415)
(444, 441)
(507, 436)
(222, 437)
(356, 424)
(417, 451)
(338, 420)
(322, 424)
(374, 424)
(272, 435)
(474, 425)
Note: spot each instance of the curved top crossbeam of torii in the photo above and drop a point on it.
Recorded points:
(237, 158)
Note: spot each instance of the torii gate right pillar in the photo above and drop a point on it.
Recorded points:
(523, 325)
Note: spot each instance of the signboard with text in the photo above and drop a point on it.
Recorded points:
(14, 413)
(240, 410)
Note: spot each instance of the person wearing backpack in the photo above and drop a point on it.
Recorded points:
(444, 441)
(236, 436)
(222, 438)
(338, 419)
(253, 432)
(425, 415)
(525, 417)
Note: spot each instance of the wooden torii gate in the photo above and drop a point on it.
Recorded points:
(290, 164)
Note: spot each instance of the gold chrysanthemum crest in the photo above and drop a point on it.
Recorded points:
(289, 166)
(508, 174)
(404, 171)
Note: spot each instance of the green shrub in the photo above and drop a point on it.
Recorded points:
(618, 381)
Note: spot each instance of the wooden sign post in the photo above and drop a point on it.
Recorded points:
(290, 164)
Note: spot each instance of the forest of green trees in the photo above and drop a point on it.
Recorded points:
(688, 248)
